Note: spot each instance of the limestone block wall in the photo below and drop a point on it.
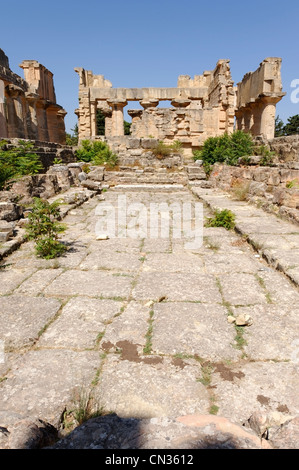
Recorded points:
(28, 108)
(287, 148)
(275, 188)
(134, 151)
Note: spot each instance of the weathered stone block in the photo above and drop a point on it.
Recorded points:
(133, 143)
(149, 143)
(97, 174)
(10, 211)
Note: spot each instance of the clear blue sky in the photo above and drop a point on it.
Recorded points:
(141, 43)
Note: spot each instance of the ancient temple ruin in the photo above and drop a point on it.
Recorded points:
(28, 108)
(206, 106)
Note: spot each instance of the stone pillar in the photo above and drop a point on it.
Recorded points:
(93, 118)
(41, 112)
(136, 115)
(239, 120)
(3, 124)
(117, 116)
(61, 126)
(31, 116)
(108, 121)
(268, 117)
(15, 113)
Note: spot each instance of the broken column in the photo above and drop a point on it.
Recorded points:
(257, 96)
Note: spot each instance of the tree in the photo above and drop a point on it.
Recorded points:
(127, 127)
(100, 122)
(72, 139)
(279, 127)
(292, 126)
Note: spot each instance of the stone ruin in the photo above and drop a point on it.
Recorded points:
(28, 108)
(206, 106)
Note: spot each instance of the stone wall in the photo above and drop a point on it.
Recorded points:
(28, 108)
(276, 188)
(287, 148)
(47, 151)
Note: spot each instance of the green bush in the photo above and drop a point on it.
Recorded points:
(224, 218)
(96, 152)
(163, 150)
(17, 162)
(43, 227)
(227, 148)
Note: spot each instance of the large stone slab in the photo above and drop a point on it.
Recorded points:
(43, 383)
(80, 314)
(35, 284)
(140, 390)
(112, 260)
(90, 283)
(177, 287)
(22, 318)
(131, 326)
(256, 386)
(185, 263)
(274, 333)
(219, 263)
(11, 278)
(192, 328)
(242, 289)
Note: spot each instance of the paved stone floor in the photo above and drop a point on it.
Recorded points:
(141, 324)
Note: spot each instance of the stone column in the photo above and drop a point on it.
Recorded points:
(61, 126)
(15, 113)
(118, 116)
(108, 121)
(268, 117)
(41, 112)
(31, 117)
(239, 120)
(136, 115)
(3, 124)
(93, 118)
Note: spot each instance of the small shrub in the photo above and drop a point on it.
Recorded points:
(241, 191)
(86, 168)
(224, 218)
(162, 150)
(266, 154)
(44, 228)
(17, 162)
(96, 153)
(293, 184)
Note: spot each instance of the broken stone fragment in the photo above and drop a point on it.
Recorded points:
(231, 319)
(244, 320)
(92, 185)
(102, 236)
(10, 211)
(97, 174)
(6, 230)
(82, 176)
